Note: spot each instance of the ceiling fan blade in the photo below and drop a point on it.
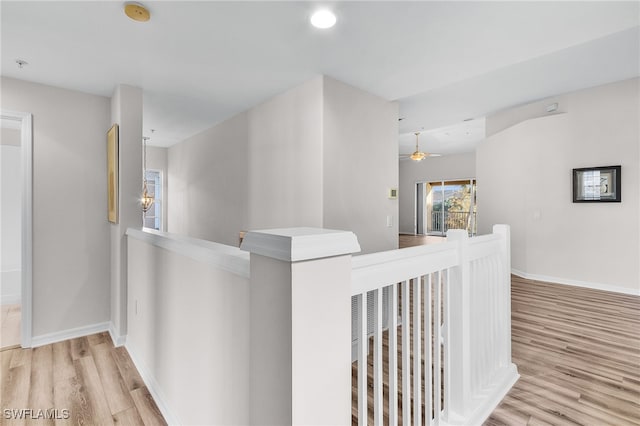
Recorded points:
(435, 155)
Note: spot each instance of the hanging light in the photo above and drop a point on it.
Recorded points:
(147, 199)
(418, 155)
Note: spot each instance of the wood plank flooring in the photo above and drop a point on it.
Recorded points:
(10, 316)
(578, 354)
(97, 383)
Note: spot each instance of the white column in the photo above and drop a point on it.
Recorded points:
(126, 111)
(300, 299)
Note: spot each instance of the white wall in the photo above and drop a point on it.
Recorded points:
(291, 161)
(189, 331)
(208, 183)
(70, 230)
(157, 160)
(10, 216)
(285, 159)
(525, 173)
(448, 167)
(360, 135)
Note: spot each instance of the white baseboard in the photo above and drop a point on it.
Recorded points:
(116, 338)
(10, 299)
(577, 283)
(153, 386)
(72, 333)
(509, 378)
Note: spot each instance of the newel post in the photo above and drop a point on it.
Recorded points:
(505, 254)
(458, 337)
(300, 338)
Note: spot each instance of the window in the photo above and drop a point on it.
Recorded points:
(152, 218)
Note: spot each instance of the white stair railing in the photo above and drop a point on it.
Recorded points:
(454, 304)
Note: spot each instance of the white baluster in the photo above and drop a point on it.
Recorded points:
(417, 357)
(377, 362)
(437, 377)
(393, 355)
(363, 343)
(428, 375)
(406, 356)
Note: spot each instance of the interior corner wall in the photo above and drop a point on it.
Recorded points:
(157, 159)
(526, 175)
(70, 230)
(360, 166)
(208, 183)
(285, 159)
(447, 167)
(295, 160)
(126, 111)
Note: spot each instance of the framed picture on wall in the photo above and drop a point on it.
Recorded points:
(112, 174)
(597, 184)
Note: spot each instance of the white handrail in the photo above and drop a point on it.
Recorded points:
(454, 297)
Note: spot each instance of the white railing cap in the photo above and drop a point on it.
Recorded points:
(296, 244)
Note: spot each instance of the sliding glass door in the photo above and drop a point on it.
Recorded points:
(448, 205)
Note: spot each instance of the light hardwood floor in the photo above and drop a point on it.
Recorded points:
(97, 383)
(578, 354)
(10, 326)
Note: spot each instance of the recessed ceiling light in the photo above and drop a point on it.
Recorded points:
(323, 19)
(137, 12)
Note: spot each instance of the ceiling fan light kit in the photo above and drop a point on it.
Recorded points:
(418, 155)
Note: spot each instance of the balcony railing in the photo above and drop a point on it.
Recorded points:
(441, 223)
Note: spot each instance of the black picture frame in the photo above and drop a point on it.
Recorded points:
(597, 184)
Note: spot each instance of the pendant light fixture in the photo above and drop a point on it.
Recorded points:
(147, 199)
(418, 155)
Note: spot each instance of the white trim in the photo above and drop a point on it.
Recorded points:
(118, 340)
(577, 283)
(10, 299)
(498, 393)
(72, 333)
(26, 146)
(228, 258)
(153, 387)
(296, 244)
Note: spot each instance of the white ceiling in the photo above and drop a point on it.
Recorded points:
(202, 62)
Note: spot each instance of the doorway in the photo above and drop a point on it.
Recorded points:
(16, 229)
(446, 204)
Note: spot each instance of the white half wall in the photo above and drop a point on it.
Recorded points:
(525, 180)
(70, 229)
(448, 167)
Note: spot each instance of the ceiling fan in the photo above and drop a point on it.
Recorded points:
(417, 154)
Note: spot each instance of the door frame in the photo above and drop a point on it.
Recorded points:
(26, 150)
